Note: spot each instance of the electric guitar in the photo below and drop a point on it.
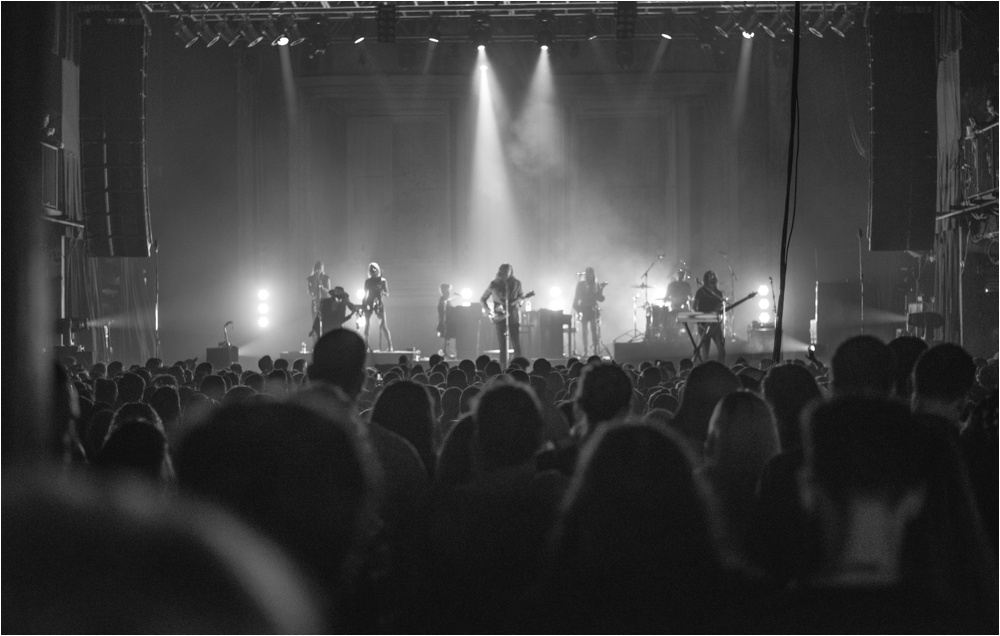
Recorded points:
(500, 314)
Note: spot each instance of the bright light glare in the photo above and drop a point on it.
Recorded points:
(545, 47)
(764, 303)
(481, 47)
(555, 292)
(748, 35)
(556, 304)
(263, 322)
(483, 67)
(658, 293)
(263, 308)
(764, 317)
(263, 294)
(466, 293)
(666, 36)
(359, 40)
(361, 321)
(762, 290)
(282, 41)
(361, 293)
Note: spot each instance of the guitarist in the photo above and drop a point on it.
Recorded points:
(507, 294)
(708, 299)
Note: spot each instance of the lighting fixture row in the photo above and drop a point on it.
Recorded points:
(284, 30)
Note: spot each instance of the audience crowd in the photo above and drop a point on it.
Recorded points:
(321, 495)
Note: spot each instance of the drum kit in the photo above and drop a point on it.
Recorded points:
(661, 316)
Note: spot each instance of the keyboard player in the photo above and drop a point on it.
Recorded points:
(708, 299)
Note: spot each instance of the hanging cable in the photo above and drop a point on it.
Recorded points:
(791, 182)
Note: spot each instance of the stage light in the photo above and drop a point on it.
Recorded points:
(263, 294)
(281, 41)
(263, 322)
(819, 25)
(357, 31)
(252, 35)
(625, 17)
(360, 321)
(764, 303)
(295, 36)
(764, 317)
(763, 290)
(206, 33)
(590, 26)
(844, 23)
(263, 308)
(481, 30)
(466, 293)
(545, 37)
(434, 34)
(385, 22)
(726, 26)
(274, 33)
(361, 294)
(483, 67)
(555, 292)
(748, 22)
(228, 34)
(183, 31)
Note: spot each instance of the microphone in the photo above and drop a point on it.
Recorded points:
(227, 324)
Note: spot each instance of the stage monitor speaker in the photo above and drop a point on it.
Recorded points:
(222, 357)
(550, 333)
(839, 313)
(904, 128)
(465, 325)
(112, 144)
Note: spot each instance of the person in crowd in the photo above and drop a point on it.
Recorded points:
(742, 439)
(863, 365)
(865, 480)
(405, 409)
(943, 376)
(708, 383)
(635, 547)
(604, 394)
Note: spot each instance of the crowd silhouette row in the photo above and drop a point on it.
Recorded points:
(319, 496)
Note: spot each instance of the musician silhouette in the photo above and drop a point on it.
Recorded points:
(376, 288)
(589, 293)
(506, 294)
(708, 299)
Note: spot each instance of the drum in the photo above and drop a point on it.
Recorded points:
(661, 324)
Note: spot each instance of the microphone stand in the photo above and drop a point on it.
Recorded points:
(645, 291)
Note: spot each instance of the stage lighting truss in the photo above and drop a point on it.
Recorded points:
(488, 22)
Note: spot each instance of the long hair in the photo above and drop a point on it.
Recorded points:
(374, 269)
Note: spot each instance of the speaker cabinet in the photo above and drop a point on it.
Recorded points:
(222, 357)
(904, 128)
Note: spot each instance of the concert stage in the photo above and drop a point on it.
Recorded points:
(636, 352)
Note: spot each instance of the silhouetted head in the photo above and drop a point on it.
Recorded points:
(863, 365)
(506, 271)
(339, 359)
(318, 267)
(711, 280)
(603, 393)
(374, 270)
(508, 425)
